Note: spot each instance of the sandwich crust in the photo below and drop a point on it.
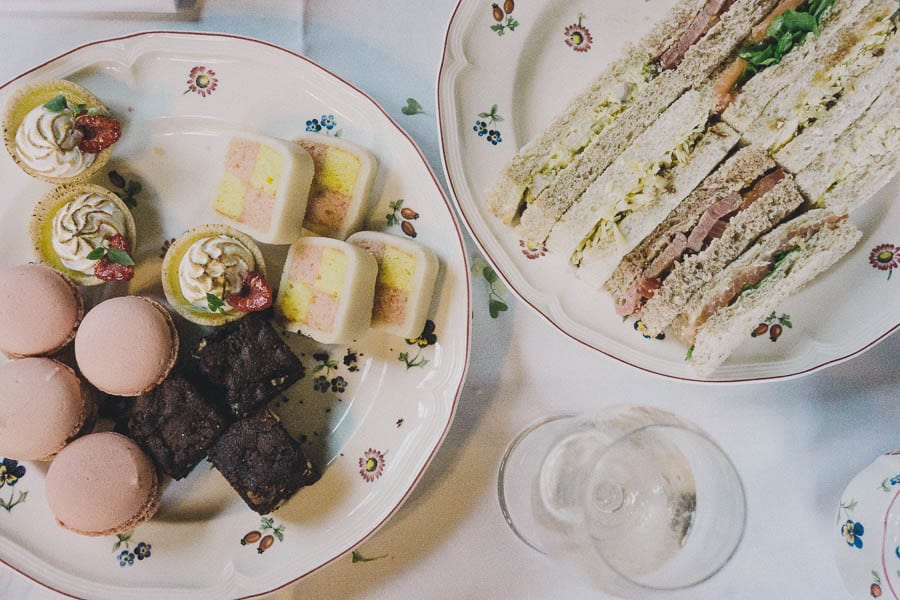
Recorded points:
(690, 276)
(699, 62)
(733, 175)
(729, 326)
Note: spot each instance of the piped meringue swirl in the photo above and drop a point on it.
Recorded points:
(214, 265)
(82, 224)
(47, 142)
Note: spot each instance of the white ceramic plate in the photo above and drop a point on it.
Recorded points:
(523, 69)
(388, 403)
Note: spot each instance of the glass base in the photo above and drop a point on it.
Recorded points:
(519, 468)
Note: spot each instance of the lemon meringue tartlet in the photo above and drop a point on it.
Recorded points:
(72, 221)
(44, 140)
(205, 266)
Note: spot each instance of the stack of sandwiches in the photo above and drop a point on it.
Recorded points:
(709, 172)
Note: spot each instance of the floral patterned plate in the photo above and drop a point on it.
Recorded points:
(508, 68)
(372, 414)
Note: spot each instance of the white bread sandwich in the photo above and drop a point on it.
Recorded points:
(641, 187)
(745, 197)
(833, 91)
(723, 314)
(863, 159)
(780, 50)
(553, 169)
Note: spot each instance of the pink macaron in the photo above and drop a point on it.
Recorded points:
(39, 310)
(102, 484)
(43, 405)
(126, 346)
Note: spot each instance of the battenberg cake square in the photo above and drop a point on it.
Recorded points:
(406, 276)
(264, 187)
(340, 188)
(327, 290)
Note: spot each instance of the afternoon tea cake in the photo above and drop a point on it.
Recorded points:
(262, 462)
(102, 484)
(58, 131)
(405, 282)
(327, 290)
(45, 405)
(39, 310)
(246, 364)
(175, 424)
(208, 273)
(264, 187)
(340, 188)
(81, 229)
(126, 345)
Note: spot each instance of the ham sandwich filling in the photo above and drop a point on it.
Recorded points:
(790, 239)
(690, 240)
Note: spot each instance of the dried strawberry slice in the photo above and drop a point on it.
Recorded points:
(98, 132)
(255, 294)
(119, 242)
(107, 270)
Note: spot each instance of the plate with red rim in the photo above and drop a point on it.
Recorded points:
(505, 74)
(372, 413)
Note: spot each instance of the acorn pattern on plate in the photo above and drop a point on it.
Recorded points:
(502, 15)
(264, 538)
(403, 216)
(772, 326)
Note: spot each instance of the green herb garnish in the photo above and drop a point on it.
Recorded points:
(57, 104)
(785, 32)
(120, 257)
(215, 303)
(61, 103)
(777, 260)
(690, 353)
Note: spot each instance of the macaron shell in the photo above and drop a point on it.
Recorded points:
(43, 404)
(39, 310)
(126, 345)
(102, 484)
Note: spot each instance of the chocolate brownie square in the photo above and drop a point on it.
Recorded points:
(262, 462)
(175, 424)
(247, 363)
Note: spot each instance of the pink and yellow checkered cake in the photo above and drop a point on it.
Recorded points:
(265, 187)
(340, 189)
(327, 290)
(406, 275)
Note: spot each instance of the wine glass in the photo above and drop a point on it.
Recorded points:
(639, 499)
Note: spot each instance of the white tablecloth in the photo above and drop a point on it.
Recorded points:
(796, 443)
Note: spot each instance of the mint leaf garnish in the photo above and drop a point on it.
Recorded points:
(57, 104)
(119, 257)
(215, 303)
(97, 253)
